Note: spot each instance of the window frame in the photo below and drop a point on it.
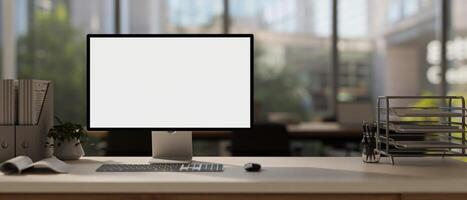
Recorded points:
(8, 68)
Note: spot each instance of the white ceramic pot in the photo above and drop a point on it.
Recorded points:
(68, 149)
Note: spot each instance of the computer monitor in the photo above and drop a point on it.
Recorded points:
(171, 84)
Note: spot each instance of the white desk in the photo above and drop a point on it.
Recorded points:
(299, 177)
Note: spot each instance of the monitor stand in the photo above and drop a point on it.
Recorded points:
(171, 147)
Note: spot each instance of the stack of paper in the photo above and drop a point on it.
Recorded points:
(31, 95)
(8, 102)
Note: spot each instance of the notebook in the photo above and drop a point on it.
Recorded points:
(21, 163)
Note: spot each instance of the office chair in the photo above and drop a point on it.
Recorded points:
(264, 139)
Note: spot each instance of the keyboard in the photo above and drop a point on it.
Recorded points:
(162, 167)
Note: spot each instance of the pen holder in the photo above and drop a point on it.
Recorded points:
(370, 153)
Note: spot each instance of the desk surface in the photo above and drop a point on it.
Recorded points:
(279, 175)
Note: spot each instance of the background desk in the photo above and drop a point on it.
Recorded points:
(308, 130)
(287, 177)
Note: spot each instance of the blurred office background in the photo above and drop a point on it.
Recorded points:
(319, 64)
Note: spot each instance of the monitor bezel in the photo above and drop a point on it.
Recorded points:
(88, 40)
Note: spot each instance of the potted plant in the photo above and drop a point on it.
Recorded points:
(67, 139)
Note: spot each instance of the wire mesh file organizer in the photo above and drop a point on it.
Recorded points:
(409, 131)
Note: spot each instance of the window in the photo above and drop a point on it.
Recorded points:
(51, 45)
(385, 47)
(408, 46)
(292, 55)
(354, 51)
(456, 55)
(392, 41)
(457, 50)
(172, 16)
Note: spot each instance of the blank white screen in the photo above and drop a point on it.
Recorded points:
(176, 82)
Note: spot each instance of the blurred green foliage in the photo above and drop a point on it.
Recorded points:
(425, 103)
(277, 90)
(54, 50)
(434, 103)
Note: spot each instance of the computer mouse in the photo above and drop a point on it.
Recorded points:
(252, 167)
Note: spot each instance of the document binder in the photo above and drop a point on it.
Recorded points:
(7, 142)
(29, 140)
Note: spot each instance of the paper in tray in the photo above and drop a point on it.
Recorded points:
(425, 113)
(427, 144)
(414, 128)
